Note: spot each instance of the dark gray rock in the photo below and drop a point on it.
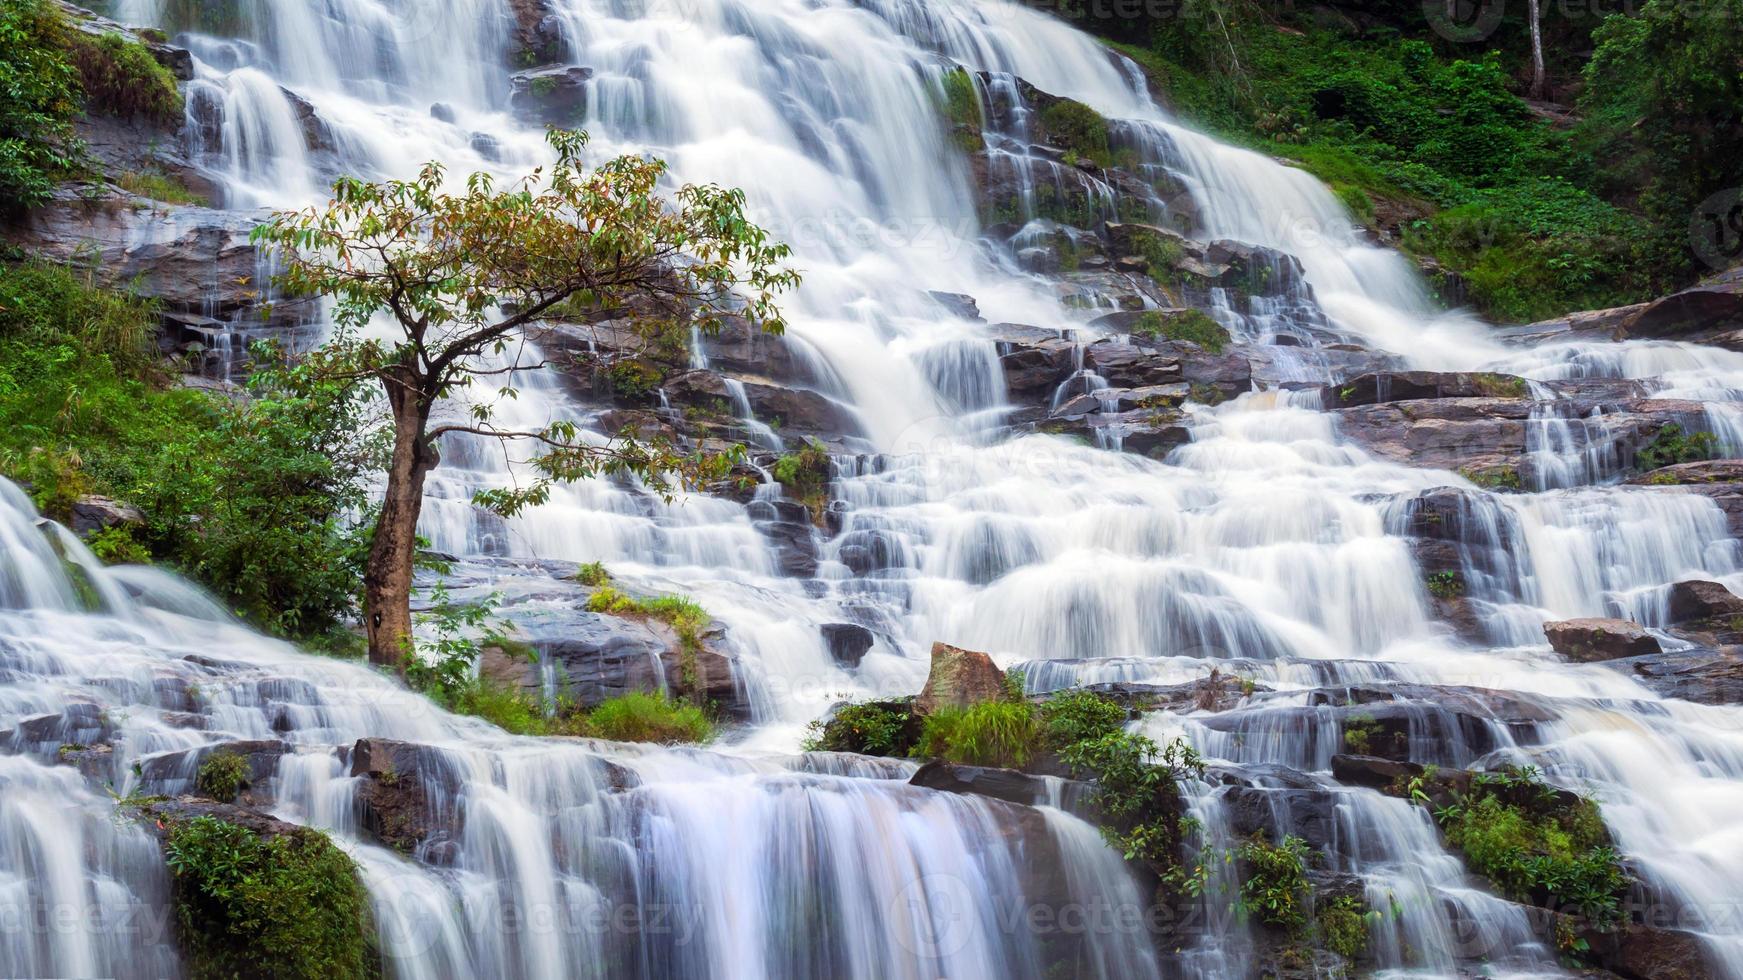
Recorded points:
(555, 96)
(847, 642)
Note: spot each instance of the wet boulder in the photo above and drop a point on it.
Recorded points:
(1645, 952)
(1709, 313)
(959, 678)
(1703, 676)
(177, 773)
(1124, 364)
(1594, 639)
(1695, 600)
(847, 642)
(408, 797)
(961, 305)
(1009, 785)
(554, 96)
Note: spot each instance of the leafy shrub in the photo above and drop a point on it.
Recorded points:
(867, 728)
(121, 78)
(39, 96)
(1343, 927)
(1670, 446)
(593, 574)
(1359, 731)
(1078, 716)
(1535, 844)
(990, 733)
(1137, 782)
(291, 906)
(222, 775)
(1275, 889)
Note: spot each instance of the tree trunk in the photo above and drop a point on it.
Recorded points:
(387, 578)
(1534, 11)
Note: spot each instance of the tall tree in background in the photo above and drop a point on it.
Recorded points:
(463, 276)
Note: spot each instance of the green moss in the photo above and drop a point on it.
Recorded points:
(1274, 888)
(961, 105)
(1359, 731)
(291, 906)
(685, 616)
(804, 476)
(1078, 129)
(121, 78)
(1191, 326)
(222, 775)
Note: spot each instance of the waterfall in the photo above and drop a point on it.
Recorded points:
(1269, 545)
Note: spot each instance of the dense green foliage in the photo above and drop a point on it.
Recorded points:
(1535, 843)
(1670, 445)
(39, 96)
(1343, 926)
(222, 775)
(286, 907)
(247, 497)
(867, 728)
(1275, 889)
(989, 733)
(1430, 137)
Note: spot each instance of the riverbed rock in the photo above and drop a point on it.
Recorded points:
(1708, 313)
(959, 678)
(1698, 600)
(1009, 785)
(555, 96)
(1593, 639)
(408, 797)
(847, 642)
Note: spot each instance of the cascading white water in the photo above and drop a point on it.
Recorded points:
(1263, 545)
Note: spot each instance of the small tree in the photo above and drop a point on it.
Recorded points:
(462, 276)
